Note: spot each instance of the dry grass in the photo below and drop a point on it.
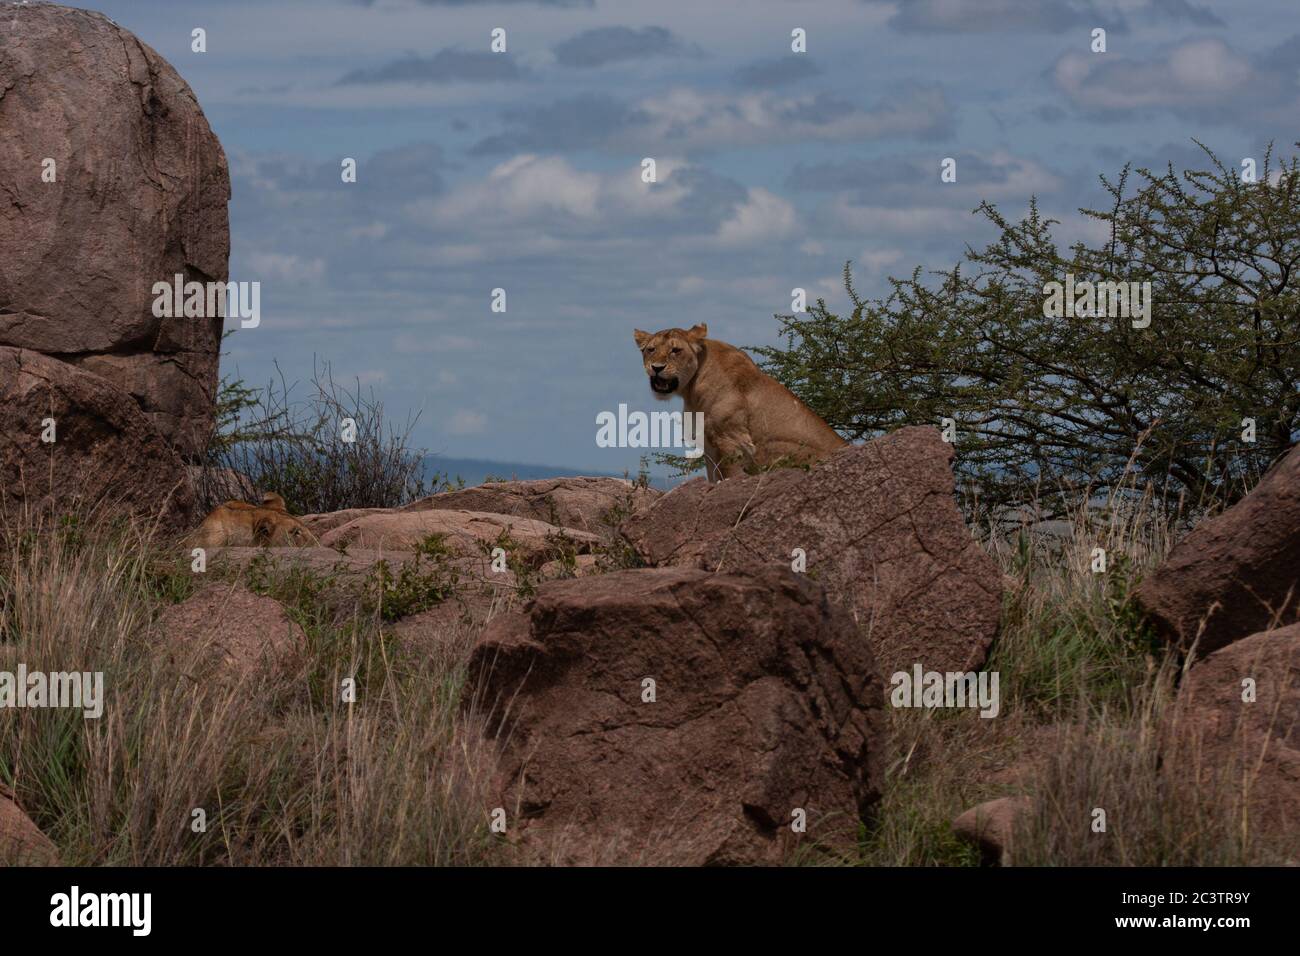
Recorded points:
(288, 775)
(1085, 688)
(284, 773)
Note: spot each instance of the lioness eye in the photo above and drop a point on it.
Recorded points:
(676, 350)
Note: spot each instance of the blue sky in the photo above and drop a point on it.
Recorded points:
(521, 170)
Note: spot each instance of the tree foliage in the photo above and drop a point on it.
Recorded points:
(1045, 407)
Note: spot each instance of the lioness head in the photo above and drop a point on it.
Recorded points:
(671, 357)
(279, 530)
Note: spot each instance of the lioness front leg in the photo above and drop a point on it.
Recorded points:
(734, 454)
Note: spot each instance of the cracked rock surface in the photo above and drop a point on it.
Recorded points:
(584, 503)
(106, 451)
(879, 528)
(140, 192)
(766, 708)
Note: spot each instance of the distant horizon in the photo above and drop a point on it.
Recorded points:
(474, 471)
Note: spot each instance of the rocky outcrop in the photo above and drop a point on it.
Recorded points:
(1235, 574)
(105, 451)
(466, 533)
(329, 520)
(1235, 730)
(679, 528)
(21, 841)
(241, 634)
(136, 194)
(681, 717)
(876, 524)
(448, 629)
(583, 503)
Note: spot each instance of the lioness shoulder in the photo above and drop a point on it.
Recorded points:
(750, 419)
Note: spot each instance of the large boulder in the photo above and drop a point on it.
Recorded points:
(329, 520)
(1234, 574)
(21, 842)
(877, 525)
(766, 714)
(584, 503)
(105, 450)
(466, 533)
(139, 195)
(680, 526)
(1235, 729)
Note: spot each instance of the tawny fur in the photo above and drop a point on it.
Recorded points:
(239, 524)
(750, 419)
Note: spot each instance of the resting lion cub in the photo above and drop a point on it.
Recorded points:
(239, 524)
(750, 419)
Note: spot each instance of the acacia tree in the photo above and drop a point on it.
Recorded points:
(1047, 406)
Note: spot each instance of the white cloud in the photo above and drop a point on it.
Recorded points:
(423, 342)
(763, 217)
(878, 261)
(286, 267)
(529, 187)
(1196, 74)
(693, 119)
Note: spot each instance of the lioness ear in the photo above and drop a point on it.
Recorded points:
(699, 332)
(641, 337)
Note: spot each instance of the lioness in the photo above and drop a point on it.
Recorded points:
(237, 523)
(750, 419)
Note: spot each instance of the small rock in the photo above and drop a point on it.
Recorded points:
(991, 826)
(21, 841)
